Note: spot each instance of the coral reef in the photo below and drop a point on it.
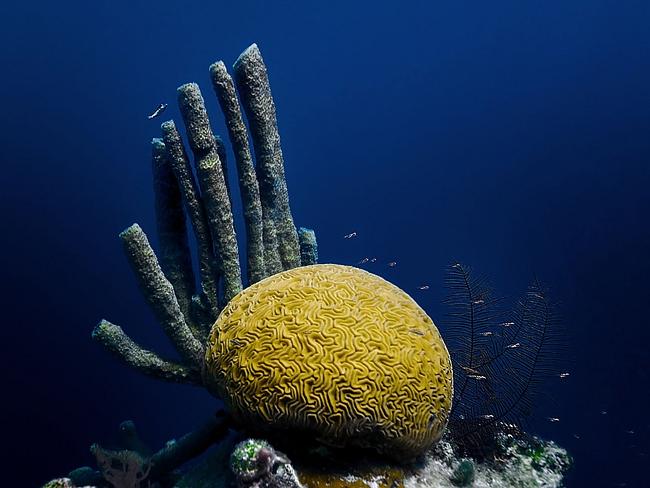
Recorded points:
(335, 351)
(324, 361)
(518, 461)
(371, 369)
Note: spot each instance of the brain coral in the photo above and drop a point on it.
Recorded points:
(336, 351)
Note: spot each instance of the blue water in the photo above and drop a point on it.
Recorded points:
(511, 136)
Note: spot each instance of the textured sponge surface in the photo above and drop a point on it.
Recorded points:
(335, 351)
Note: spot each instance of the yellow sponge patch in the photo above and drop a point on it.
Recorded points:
(336, 351)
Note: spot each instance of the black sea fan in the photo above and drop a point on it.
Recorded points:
(500, 359)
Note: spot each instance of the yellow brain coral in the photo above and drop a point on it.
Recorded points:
(336, 351)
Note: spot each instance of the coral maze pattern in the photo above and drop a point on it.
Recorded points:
(334, 350)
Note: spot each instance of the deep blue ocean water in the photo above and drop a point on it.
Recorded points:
(511, 136)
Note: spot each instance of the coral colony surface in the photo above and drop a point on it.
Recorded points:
(337, 367)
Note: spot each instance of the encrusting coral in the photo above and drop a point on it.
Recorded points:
(255, 464)
(296, 348)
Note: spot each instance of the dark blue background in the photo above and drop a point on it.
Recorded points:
(512, 136)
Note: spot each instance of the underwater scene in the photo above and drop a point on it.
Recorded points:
(325, 244)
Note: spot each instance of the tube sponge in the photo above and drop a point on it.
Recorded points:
(337, 351)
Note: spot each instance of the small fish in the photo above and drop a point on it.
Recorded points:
(603, 412)
(478, 302)
(513, 346)
(564, 375)
(630, 432)
(423, 287)
(457, 265)
(373, 260)
(476, 376)
(487, 416)
(486, 334)
(392, 264)
(159, 109)
(553, 419)
(470, 370)
(507, 324)
(576, 436)
(363, 261)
